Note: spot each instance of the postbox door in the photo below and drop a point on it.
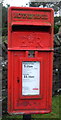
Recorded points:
(23, 98)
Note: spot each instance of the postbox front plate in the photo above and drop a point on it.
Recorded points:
(30, 55)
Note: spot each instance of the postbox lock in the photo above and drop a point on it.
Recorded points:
(31, 53)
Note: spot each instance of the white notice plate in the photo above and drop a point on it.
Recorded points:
(30, 78)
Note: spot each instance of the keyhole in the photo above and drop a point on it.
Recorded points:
(18, 80)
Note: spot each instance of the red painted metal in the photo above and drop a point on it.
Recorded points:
(30, 29)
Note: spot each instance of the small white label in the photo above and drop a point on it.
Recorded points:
(31, 78)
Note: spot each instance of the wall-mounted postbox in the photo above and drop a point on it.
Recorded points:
(30, 59)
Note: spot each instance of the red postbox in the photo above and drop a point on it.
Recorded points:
(30, 60)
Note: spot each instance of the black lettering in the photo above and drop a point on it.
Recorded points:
(31, 76)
